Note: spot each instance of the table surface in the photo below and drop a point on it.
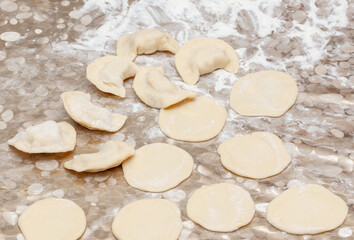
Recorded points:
(45, 47)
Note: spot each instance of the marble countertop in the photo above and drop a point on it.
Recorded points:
(45, 47)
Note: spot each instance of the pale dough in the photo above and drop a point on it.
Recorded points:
(155, 90)
(111, 155)
(108, 74)
(194, 120)
(222, 207)
(80, 108)
(46, 137)
(266, 93)
(200, 56)
(256, 155)
(145, 41)
(308, 209)
(157, 167)
(148, 219)
(54, 219)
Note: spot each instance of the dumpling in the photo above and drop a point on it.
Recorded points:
(108, 73)
(204, 55)
(79, 107)
(155, 90)
(46, 137)
(145, 41)
(111, 155)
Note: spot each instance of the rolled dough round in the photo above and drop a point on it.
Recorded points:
(157, 167)
(148, 219)
(54, 219)
(222, 207)
(257, 155)
(308, 209)
(193, 120)
(265, 93)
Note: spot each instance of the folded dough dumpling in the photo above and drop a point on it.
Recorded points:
(78, 105)
(204, 55)
(46, 137)
(155, 90)
(111, 155)
(145, 41)
(108, 74)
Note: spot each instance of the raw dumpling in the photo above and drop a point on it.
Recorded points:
(193, 120)
(155, 90)
(111, 155)
(53, 219)
(145, 41)
(46, 137)
(78, 105)
(204, 55)
(148, 219)
(222, 207)
(257, 155)
(108, 73)
(308, 209)
(265, 93)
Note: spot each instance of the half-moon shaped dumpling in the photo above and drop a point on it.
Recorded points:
(79, 107)
(204, 55)
(145, 41)
(108, 73)
(111, 155)
(155, 90)
(46, 137)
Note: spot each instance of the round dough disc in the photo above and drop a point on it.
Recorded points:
(193, 120)
(157, 167)
(148, 219)
(257, 155)
(54, 219)
(308, 209)
(266, 93)
(222, 207)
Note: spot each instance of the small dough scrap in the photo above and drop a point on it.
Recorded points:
(257, 155)
(222, 207)
(148, 219)
(194, 120)
(80, 108)
(46, 137)
(308, 209)
(111, 155)
(265, 93)
(155, 90)
(158, 167)
(54, 219)
(145, 41)
(108, 74)
(200, 56)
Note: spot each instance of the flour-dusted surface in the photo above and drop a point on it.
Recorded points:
(45, 47)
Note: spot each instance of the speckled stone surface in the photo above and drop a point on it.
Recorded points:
(45, 47)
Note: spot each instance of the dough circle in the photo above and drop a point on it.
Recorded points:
(157, 167)
(265, 93)
(257, 155)
(308, 209)
(148, 219)
(54, 219)
(194, 120)
(222, 207)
